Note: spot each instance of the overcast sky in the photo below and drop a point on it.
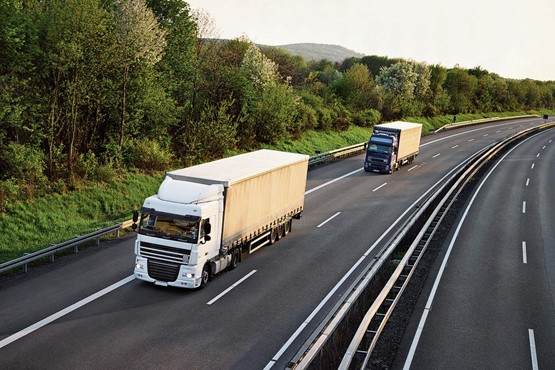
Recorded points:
(513, 38)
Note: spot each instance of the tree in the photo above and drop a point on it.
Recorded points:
(140, 42)
(357, 89)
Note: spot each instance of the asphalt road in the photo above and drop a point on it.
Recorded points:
(71, 315)
(494, 305)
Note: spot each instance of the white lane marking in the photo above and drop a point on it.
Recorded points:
(28, 330)
(231, 287)
(524, 206)
(332, 181)
(470, 140)
(532, 167)
(524, 257)
(537, 156)
(381, 186)
(533, 353)
(428, 306)
(412, 168)
(329, 219)
(486, 135)
(456, 146)
(527, 181)
(543, 147)
(497, 131)
(269, 365)
(437, 155)
(550, 140)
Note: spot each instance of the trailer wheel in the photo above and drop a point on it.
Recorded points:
(287, 227)
(273, 235)
(280, 231)
(234, 259)
(205, 276)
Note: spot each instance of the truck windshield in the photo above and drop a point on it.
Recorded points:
(374, 148)
(170, 226)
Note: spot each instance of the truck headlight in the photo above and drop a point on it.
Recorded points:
(189, 275)
(138, 266)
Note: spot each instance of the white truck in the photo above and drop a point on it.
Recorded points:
(205, 216)
(392, 145)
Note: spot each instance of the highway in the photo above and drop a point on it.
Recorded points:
(492, 302)
(90, 313)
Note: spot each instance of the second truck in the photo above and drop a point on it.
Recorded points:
(204, 217)
(392, 145)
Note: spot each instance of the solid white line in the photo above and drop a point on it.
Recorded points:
(527, 181)
(231, 287)
(456, 146)
(470, 140)
(381, 186)
(532, 167)
(524, 206)
(428, 306)
(12, 338)
(412, 168)
(332, 181)
(269, 365)
(524, 257)
(533, 349)
(329, 219)
(437, 155)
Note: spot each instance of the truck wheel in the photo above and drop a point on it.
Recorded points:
(287, 227)
(234, 259)
(205, 275)
(280, 231)
(273, 235)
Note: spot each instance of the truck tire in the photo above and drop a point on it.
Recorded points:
(280, 231)
(234, 259)
(287, 227)
(205, 276)
(273, 235)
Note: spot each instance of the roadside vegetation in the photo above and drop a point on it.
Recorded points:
(99, 97)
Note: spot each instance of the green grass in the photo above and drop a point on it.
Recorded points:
(31, 226)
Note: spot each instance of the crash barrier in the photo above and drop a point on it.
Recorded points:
(320, 158)
(451, 126)
(346, 337)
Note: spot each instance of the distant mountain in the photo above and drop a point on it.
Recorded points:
(310, 51)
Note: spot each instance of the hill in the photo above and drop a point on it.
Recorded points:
(310, 51)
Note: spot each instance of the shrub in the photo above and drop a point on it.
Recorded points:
(367, 118)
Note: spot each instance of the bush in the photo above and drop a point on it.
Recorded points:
(149, 156)
(367, 118)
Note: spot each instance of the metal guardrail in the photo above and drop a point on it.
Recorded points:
(451, 126)
(50, 251)
(334, 154)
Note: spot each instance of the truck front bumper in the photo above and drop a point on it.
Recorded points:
(185, 277)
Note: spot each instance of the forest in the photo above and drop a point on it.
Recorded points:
(93, 88)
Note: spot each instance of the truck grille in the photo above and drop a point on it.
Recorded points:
(164, 253)
(162, 271)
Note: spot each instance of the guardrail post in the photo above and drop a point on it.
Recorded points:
(52, 258)
(75, 249)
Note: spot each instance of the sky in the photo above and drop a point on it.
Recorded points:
(512, 38)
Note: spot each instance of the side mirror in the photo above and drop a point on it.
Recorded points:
(207, 228)
(135, 219)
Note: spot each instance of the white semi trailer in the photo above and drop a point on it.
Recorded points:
(205, 216)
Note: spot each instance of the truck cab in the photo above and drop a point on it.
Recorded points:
(178, 238)
(381, 153)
